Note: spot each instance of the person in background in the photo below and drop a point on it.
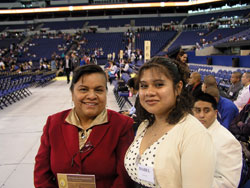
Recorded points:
(228, 149)
(240, 126)
(133, 89)
(244, 93)
(195, 83)
(227, 110)
(111, 71)
(87, 139)
(67, 65)
(236, 86)
(170, 140)
(126, 67)
(53, 64)
(182, 57)
(209, 81)
(82, 61)
(74, 60)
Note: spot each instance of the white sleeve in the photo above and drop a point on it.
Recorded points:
(198, 161)
(228, 164)
(114, 69)
(126, 67)
(243, 98)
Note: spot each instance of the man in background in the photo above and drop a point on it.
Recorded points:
(195, 84)
(236, 86)
(244, 93)
(228, 149)
(227, 110)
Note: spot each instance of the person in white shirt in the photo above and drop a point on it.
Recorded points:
(126, 66)
(244, 93)
(228, 149)
(112, 68)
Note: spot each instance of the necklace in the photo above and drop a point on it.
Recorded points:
(83, 135)
(151, 136)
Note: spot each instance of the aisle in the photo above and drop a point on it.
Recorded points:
(21, 126)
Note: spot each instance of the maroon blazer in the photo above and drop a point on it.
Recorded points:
(102, 155)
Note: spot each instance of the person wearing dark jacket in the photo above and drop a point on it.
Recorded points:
(236, 86)
(240, 126)
(195, 84)
(67, 65)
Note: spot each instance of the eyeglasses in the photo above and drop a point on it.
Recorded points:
(87, 146)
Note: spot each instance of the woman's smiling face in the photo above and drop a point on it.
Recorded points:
(156, 92)
(90, 95)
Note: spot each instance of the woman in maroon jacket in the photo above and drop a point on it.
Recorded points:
(88, 139)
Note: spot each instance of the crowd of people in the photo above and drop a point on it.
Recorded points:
(181, 131)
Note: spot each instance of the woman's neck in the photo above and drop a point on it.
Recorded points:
(86, 122)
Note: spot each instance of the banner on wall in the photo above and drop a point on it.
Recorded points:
(121, 54)
(147, 50)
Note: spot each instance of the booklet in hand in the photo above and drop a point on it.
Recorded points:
(76, 181)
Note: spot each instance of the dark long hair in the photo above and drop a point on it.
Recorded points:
(176, 72)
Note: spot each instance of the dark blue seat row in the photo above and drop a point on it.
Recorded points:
(13, 88)
(43, 78)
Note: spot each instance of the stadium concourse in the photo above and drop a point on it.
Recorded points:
(21, 127)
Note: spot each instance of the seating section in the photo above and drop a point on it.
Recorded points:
(43, 48)
(192, 37)
(242, 32)
(44, 77)
(157, 21)
(224, 32)
(2, 27)
(121, 91)
(187, 38)
(196, 19)
(61, 25)
(108, 42)
(106, 23)
(121, 96)
(202, 19)
(222, 76)
(151, 21)
(18, 26)
(159, 39)
(7, 42)
(102, 44)
(239, 13)
(15, 86)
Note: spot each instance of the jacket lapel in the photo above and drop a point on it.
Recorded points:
(71, 140)
(95, 137)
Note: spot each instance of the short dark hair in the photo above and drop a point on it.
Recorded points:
(206, 98)
(132, 83)
(237, 74)
(86, 70)
(210, 80)
(247, 74)
(175, 71)
(213, 91)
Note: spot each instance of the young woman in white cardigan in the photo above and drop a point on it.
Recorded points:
(172, 149)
